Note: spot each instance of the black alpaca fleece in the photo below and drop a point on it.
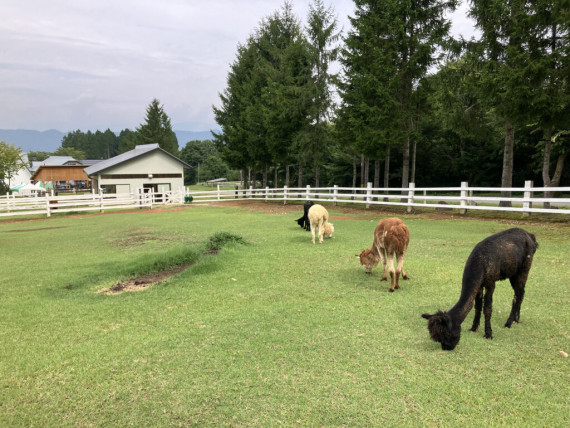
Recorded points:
(506, 254)
(304, 221)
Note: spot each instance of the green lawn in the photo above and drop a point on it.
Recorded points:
(276, 331)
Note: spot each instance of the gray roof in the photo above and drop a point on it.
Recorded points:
(51, 161)
(127, 156)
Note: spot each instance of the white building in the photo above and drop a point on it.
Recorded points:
(145, 167)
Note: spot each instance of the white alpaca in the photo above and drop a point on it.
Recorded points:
(318, 218)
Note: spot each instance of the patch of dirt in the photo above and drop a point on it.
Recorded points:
(136, 236)
(34, 230)
(144, 281)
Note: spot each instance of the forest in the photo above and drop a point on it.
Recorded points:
(408, 104)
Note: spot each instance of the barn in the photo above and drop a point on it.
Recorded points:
(145, 167)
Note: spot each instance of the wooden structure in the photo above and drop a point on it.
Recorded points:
(63, 177)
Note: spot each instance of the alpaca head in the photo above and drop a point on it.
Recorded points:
(442, 329)
(301, 221)
(369, 259)
(329, 229)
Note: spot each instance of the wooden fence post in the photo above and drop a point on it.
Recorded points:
(527, 203)
(218, 192)
(284, 195)
(308, 193)
(463, 198)
(411, 191)
(368, 194)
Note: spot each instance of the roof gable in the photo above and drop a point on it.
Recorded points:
(137, 152)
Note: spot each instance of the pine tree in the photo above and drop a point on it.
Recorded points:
(157, 129)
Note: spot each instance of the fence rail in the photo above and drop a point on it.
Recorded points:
(461, 198)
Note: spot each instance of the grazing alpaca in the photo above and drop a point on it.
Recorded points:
(304, 221)
(506, 254)
(318, 218)
(391, 236)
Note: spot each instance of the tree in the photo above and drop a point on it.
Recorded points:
(265, 103)
(69, 151)
(516, 37)
(391, 47)
(10, 163)
(322, 35)
(157, 129)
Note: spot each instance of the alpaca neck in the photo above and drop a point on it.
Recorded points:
(469, 291)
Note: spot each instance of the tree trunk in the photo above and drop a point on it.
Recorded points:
(387, 171)
(362, 176)
(317, 176)
(366, 171)
(413, 174)
(508, 162)
(546, 164)
(264, 176)
(300, 177)
(376, 175)
(354, 174)
(287, 175)
(275, 176)
(406, 162)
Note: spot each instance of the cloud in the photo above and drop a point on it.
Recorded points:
(91, 65)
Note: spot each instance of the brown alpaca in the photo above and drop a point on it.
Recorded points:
(391, 236)
(507, 254)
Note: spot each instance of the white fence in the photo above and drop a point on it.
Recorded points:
(49, 204)
(525, 200)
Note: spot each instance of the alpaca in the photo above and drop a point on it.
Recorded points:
(391, 236)
(507, 254)
(318, 218)
(304, 220)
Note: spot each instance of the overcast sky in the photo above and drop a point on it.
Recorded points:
(97, 64)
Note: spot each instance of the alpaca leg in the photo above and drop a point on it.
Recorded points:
(404, 274)
(487, 310)
(400, 269)
(383, 259)
(478, 307)
(393, 277)
(518, 284)
(313, 231)
(321, 230)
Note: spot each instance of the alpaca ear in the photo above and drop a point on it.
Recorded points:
(427, 316)
(358, 255)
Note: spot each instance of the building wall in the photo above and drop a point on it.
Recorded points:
(134, 174)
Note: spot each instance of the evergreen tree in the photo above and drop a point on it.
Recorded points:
(322, 36)
(157, 129)
(390, 48)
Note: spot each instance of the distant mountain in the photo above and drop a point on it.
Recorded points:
(37, 141)
(49, 141)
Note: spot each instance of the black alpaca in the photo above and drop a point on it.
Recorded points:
(507, 254)
(304, 221)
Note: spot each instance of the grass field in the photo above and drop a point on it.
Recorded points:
(274, 331)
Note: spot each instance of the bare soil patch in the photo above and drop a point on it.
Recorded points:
(144, 281)
(34, 230)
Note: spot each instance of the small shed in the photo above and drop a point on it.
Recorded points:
(64, 177)
(216, 181)
(147, 167)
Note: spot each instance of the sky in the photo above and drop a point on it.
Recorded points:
(97, 65)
